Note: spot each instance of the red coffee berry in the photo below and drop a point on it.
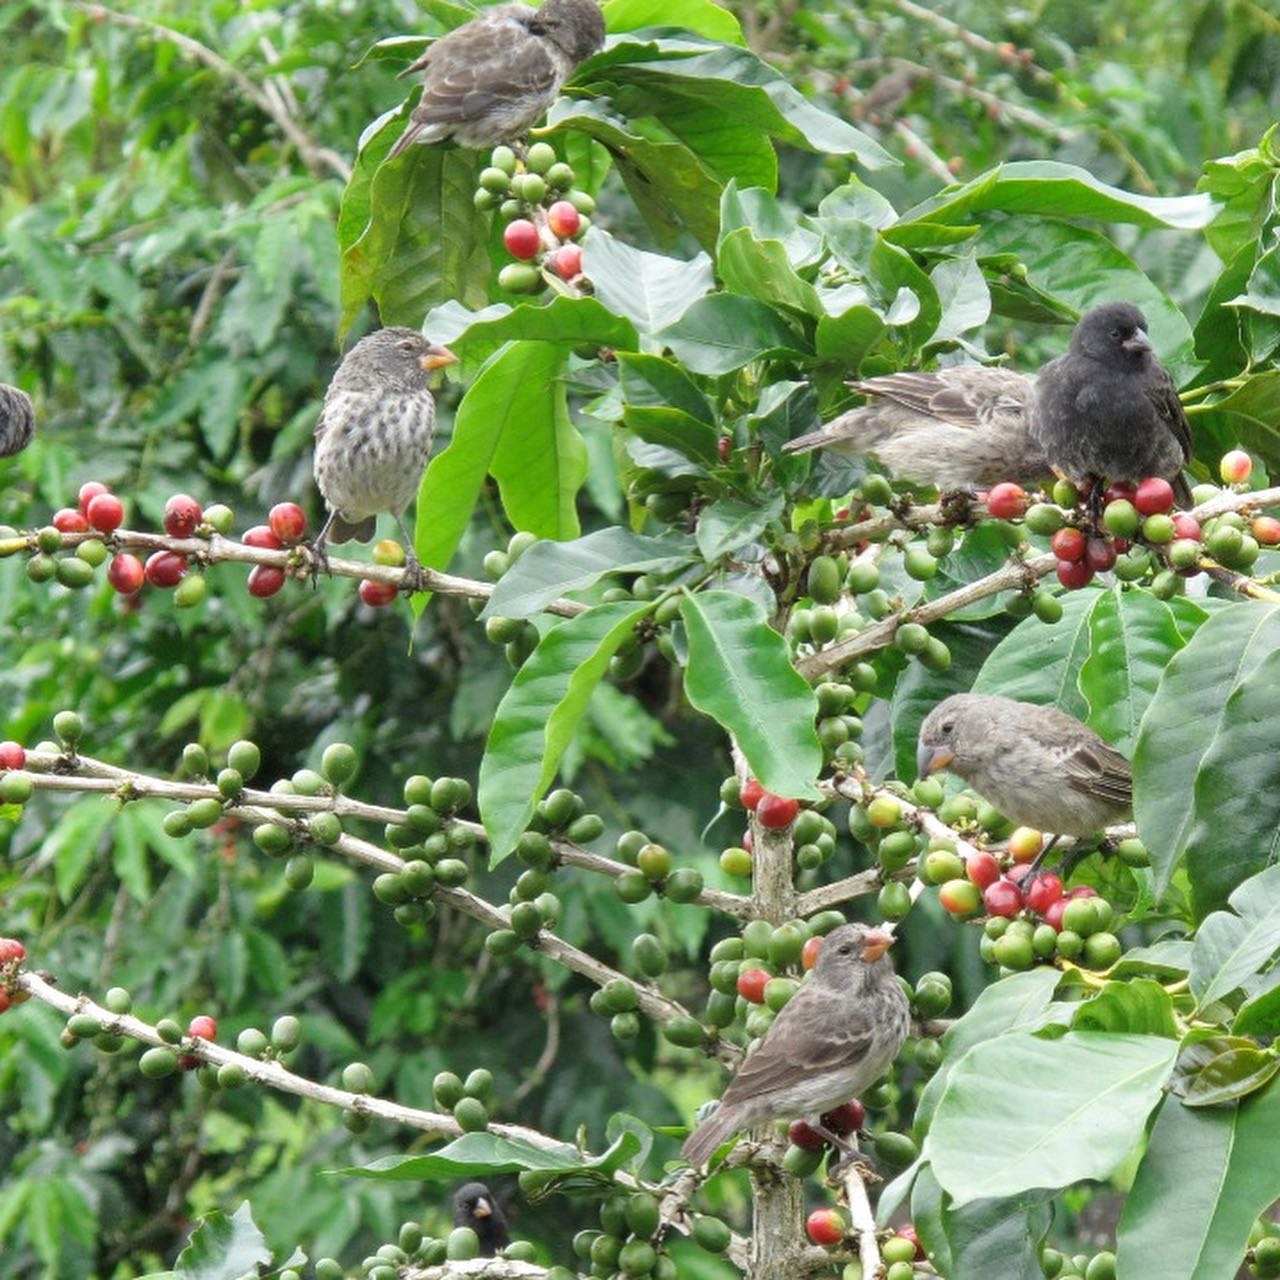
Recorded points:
(1154, 496)
(1100, 554)
(202, 1027)
(262, 536)
(1018, 873)
(70, 520)
(960, 898)
(125, 573)
(1083, 891)
(845, 1119)
(265, 580)
(982, 869)
(1025, 843)
(724, 447)
(1007, 501)
(288, 521)
(164, 569)
(825, 1226)
(1121, 490)
(805, 1136)
(105, 512)
(1265, 528)
(12, 756)
(567, 261)
(809, 956)
(1187, 526)
(1053, 913)
(1073, 575)
(776, 812)
(1003, 898)
(751, 793)
(181, 515)
(1045, 890)
(1068, 544)
(521, 239)
(10, 950)
(376, 595)
(564, 219)
(909, 1232)
(751, 984)
(88, 491)
(1235, 467)
(748, 842)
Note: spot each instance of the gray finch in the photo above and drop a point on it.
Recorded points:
(17, 420)
(966, 427)
(375, 430)
(1039, 766)
(836, 1036)
(490, 79)
(1108, 410)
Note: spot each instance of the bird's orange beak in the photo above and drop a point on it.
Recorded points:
(437, 358)
(875, 944)
(930, 759)
(483, 1209)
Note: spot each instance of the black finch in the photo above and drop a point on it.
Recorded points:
(17, 420)
(836, 1036)
(475, 1207)
(487, 81)
(375, 430)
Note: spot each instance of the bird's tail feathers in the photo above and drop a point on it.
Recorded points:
(712, 1133)
(807, 443)
(341, 530)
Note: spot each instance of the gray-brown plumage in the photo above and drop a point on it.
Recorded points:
(375, 430)
(1107, 410)
(17, 420)
(1039, 766)
(837, 1035)
(490, 79)
(966, 427)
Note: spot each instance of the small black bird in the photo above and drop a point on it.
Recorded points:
(17, 420)
(475, 1207)
(374, 432)
(490, 79)
(1108, 410)
(966, 427)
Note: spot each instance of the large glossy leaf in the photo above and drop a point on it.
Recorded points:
(724, 331)
(1231, 946)
(964, 298)
(539, 713)
(1139, 1006)
(1187, 726)
(1206, 1175)
(223, 1246)
(986, 1238)
(728, 524)
(649, 289)
(739, 673)
(759, 268)
(704, 17)
(550, 569)
(1104, 1088)
(765, 215)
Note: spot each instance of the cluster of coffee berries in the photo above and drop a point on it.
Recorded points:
(650, 870)
(544, 215)
(806, 1146)
(15, 787)
(813, 835)
(629, 1242)
(466, 1100)
(1079, 1266)
(518, 636)
(286, 523)
(412, 1249)
(1263, 1258)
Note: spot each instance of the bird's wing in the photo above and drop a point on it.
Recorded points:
(1164, 396)
(964, 396)
(478, 32)
(480, 67)
(817, 1031)
(1088, 763)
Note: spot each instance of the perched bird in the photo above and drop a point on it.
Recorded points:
(966, 427)
(832, 1040)
(475, 1207)
(1108, 410)
(1039, 766)
(375, 431)
(490, 79)
(17, 420)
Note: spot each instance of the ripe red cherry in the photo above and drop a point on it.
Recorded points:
(202, 1027)
(181, 515)
(125, 573)
(70, 520)
(105, 512)
(1003, 898)
(11, 949)
(751, 984)
(1187, 526)
(809, 956)
(377, 595)
(88, 491)
(845, 1119)
(1018, 873)
(1121, 490)
(1007, 501)
(1154, 496)
(564, 220)
(776, 812)
(1045, 890)
(288, 521)
(1073, 575)
(1068, 544)
(521, 239)
(724, 447)
(262, 536)
(1100, 554)
(1083, 891)
(1265, 528)
(164, 569)
(567, 261)
(909, 1232)
(982, 869)
(751, 793)
(265, 580)
(825, 1226)
(12, 756)
(805, 1136)
(748, 842)
(1053, 913)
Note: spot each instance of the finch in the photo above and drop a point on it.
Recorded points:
(1108, 409)
(475, 1207)
(1039, 766)
(375, 432)
(835, 1037)
(17, 420)
(490, 79)
(966, 427)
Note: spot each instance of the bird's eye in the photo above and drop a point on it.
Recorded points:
(408, 344)
(949, 726)
(1115, 333)
(846, 950)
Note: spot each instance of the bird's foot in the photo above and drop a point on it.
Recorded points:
(857, 1163)
(317, 559)
(415, 576)
(956, 505)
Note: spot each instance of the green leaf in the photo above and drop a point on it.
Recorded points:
(549, 570)
(649, 289)
(994, 1237)
(1104, 1087)
(765, 215)
(1196, 753)
(72, 845)
(964, 298)
(1231, 946)
(740, 673)
(1205, 1177)
(1140, 1007)
(704, 17)
(980, 552)
(728, 524)
(539, 713)
(761, 269)
(223, 1248)
(722, 332)
(1229, 1076)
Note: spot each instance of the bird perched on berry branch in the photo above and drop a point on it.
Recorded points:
(475, 1207)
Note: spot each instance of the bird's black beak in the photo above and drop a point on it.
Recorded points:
(1136, 342)
(930, 758)
(437, 358)
(483, 1209)
(875, 944)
